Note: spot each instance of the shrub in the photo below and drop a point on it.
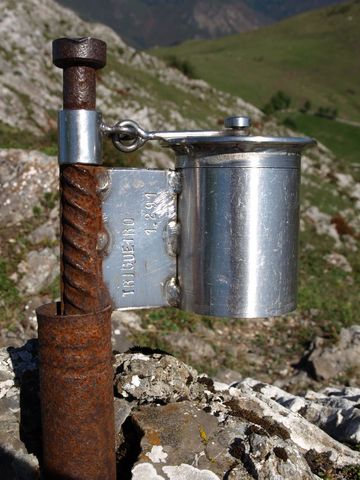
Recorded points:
(289, 123)
(279, 101)
(183, 65)
(306, 107)
(327, 112)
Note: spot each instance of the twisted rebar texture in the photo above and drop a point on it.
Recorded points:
(83, 290)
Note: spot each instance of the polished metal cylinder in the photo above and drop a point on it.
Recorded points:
(80, 139)
(239, 216)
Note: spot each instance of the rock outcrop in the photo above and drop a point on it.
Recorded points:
(325, 362)
(31, 85)
(174, 424)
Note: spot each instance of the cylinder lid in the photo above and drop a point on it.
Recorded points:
(235, 136)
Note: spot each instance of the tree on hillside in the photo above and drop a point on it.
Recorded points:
(279, 101)
(306, 107)
(183, 65)
(327, 112)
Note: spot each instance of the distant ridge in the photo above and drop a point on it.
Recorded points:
(311, 57)
(150, 23)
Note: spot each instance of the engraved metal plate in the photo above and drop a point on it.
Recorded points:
(139, 210)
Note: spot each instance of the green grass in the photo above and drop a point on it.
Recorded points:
(342, 139)
(9, 295)
(310, 57)
(326, 288)
(13, 138)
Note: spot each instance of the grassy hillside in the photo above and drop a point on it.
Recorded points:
(138, 86)
(341, 138)
(313, 56)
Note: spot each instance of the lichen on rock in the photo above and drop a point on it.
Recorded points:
(174, 424)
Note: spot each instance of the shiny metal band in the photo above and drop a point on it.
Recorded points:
(80, 138)
(241, 160)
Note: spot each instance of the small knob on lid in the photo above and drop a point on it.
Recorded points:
(237, 123)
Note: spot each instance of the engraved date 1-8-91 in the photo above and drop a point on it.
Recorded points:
(151, 223)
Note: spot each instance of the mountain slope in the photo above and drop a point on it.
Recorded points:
(279, 9)
(313, 56)
(133, 84)
(147, 23)
(141, 87)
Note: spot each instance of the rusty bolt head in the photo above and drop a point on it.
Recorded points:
(79, 52)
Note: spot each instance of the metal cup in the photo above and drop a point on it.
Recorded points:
(239, 216)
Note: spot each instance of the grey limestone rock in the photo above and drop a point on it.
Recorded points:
(174, 424)
(155, 377)
(25, 177)
(175, 433)
(47, 232)
(238, 432)
(39, 269)
(322, 223)
(254, 404)
(334, 410)
(326, 362)
(339, 261)
(180, 472)
(123, 324)
(184, 342)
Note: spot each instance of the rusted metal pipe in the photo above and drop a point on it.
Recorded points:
(76, 395)
(75, 336)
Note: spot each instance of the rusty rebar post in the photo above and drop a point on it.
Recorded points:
(75, 342)
(83, 290)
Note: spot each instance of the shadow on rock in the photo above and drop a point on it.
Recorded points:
(14, 467)
(25, 365)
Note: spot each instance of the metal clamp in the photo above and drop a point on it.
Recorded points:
(80, 139)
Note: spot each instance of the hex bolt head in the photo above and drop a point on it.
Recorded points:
(77, 52)
(237, 122)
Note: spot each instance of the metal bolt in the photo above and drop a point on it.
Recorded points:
(79, 58)
(237, 123)
(76, 52)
